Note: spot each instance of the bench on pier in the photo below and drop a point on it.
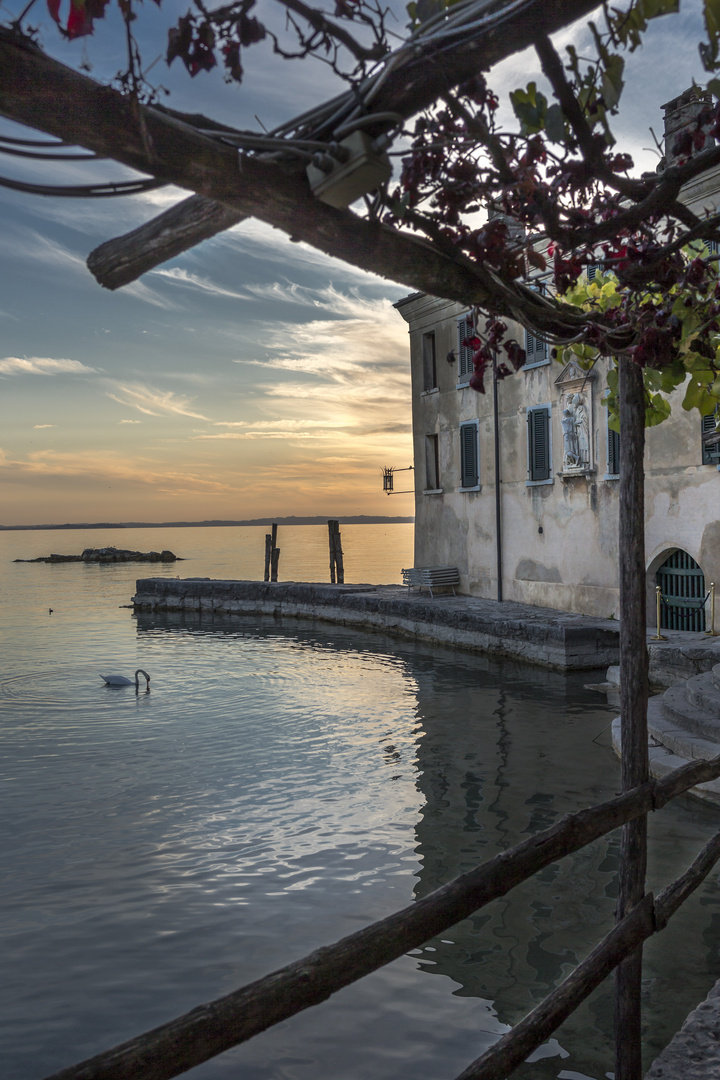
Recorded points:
(432, 577)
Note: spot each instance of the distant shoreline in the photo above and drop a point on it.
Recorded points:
(358, 519)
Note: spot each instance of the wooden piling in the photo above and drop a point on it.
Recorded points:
(268, 555)
(272, 555)
(337, 566)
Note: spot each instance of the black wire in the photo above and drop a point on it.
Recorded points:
(34, 142)
(48, 157)
(87, 191)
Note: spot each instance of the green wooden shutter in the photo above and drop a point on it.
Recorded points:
(711, 452)
(465, 354)
(613, 462)
(469, 472)
(535, 349)
(538, 444)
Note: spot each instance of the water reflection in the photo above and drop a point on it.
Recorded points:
(285, 784)
(502, 752)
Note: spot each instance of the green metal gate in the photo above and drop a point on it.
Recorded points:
(682, 584)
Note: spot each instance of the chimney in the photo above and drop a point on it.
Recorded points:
(681, 126)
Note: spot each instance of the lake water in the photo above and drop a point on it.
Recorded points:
(284, 784)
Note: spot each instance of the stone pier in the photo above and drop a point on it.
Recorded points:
(553, 639)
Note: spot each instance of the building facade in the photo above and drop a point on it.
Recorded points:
(541, 526)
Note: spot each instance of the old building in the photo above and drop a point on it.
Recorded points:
(541, 527)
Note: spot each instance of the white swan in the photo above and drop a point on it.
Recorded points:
(120, 680)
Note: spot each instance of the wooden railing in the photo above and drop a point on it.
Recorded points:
(209, 1029)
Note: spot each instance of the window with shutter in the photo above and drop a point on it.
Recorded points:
(429, 363)
(536, 350)
(469, 457)
(710, 448)
(613, 452)
(592, 271)
(465, 365)
(539, 467)
(432, 463)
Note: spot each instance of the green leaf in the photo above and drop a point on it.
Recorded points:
(612, 81)
(530, 107)
(555, 124)
(657, 410)
(652, 9)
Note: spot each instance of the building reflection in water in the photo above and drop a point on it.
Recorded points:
(506, 751)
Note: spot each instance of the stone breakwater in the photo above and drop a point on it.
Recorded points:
(108, 555)
(553, 639)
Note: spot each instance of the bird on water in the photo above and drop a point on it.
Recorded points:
(120, 680)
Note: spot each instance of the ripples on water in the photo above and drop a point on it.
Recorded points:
(280, 786)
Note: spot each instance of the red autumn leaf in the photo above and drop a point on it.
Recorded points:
(81, 16)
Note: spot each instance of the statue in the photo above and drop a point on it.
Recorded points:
(570, 447)
(582, 430)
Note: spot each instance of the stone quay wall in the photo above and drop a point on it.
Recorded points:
(552, 639)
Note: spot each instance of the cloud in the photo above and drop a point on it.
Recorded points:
(130, 421)
(42, 365)
(184, 277)
(39, 427)
(42, 249)
(154, 402)
(106, 466)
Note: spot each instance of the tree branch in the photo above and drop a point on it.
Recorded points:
(410, 83)
(43, 93)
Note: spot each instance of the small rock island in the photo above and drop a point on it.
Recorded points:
(108, 555)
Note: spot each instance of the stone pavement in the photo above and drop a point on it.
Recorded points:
(694, 1053)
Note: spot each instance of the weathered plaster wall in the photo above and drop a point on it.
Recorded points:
(559, 539)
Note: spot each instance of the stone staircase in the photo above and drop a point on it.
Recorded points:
(683, 725)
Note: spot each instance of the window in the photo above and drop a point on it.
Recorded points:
(432, 463)
(429, 364)
(465, 329)
(469, 456)
(710, 448)
(613, 452)
(539, 445)
(536, 351)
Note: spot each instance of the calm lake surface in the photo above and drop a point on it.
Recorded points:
(284, 784)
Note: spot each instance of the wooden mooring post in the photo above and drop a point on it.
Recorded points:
(336, 553)
(272, 555)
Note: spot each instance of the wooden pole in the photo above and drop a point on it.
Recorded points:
(207, 1030)
(331, 545)
(336, 552)
(274, 554)
(268, 555)
(337, 540)
(633, 705)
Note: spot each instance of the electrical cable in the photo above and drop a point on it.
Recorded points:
(13, 152)
(84, 191)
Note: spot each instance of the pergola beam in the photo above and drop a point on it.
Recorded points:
(42, 93)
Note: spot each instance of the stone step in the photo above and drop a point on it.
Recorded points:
(681, 713)
(716, 675)
(663, 760)
(677, 740)
(703, 692)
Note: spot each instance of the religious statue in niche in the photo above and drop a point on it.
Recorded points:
(575, 424)
(575, 386)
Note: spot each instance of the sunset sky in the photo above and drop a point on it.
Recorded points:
(249, 377)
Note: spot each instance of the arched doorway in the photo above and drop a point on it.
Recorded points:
(682, 584)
